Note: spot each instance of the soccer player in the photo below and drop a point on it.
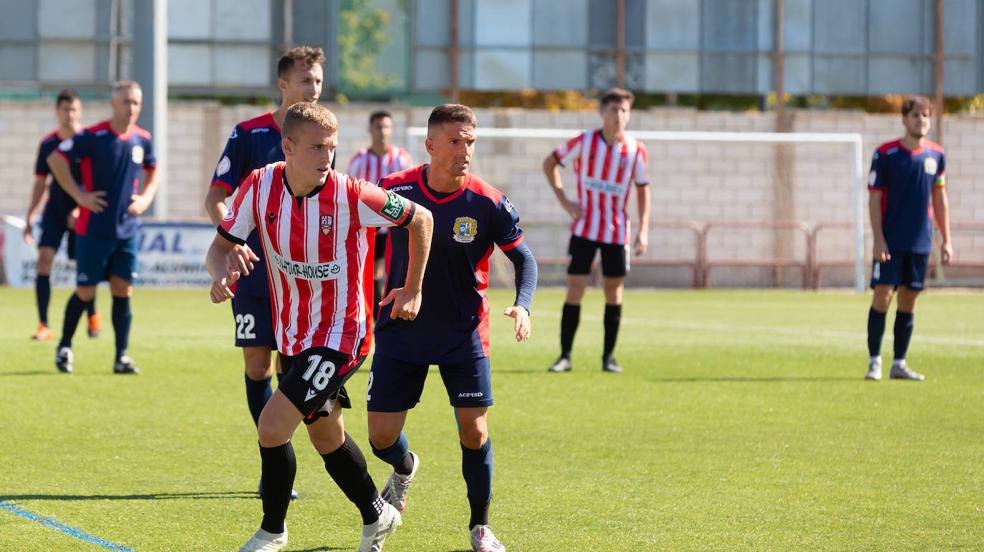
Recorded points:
(452, 329)
(312, 226)
(254, 144)
(378, 160)
(607, 163)
(57, 213)
(906, 174)
(111, 156)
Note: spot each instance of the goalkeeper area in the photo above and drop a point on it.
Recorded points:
(726, 431)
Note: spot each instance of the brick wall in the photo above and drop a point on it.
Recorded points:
(702, 182)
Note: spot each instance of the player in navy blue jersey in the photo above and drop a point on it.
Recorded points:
(111, 156)
(254, 144)
(58, 215)
(452, 328)
(907, 177)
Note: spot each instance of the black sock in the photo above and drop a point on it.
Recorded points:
(279, 468)
(347, 466)
(876, 329)
(903, 333)
(569, 318)
(396, 455)
(73, 311)
(122, 317)
(476, 466)
(613, 318)
(42, 291)
(257, 395)
(90, 307)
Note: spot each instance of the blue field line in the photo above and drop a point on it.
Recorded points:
(58, 526)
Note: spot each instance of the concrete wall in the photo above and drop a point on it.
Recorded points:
(706, 182)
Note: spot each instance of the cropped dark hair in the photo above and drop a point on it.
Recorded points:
(381, 114)
(452, 113)
(66, 95)
(616, 95)
(916, 102)
(306, 55)
(304, 112)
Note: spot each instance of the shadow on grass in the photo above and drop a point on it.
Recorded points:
(145, 496)
(323, 548)
(754, 379)
(32, 373)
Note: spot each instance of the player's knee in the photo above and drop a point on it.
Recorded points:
(257, 362)
(882, 298)
(270, 433)
(119, 287)
(328, 437)
(46, 258)
(86, 294)
(381, 436)
(473, 435)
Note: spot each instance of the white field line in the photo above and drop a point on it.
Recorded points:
(805, 333)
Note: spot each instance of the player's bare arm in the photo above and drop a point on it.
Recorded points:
(643, 195)
(941, 210)
(93, 201)
(551, 169)
(37, 198)
(215, 206)
(406, 300)
(880, 251)
(139, 203)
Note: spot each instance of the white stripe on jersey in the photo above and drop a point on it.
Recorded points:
(368, 166)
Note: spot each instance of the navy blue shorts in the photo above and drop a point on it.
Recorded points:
(614, 257)
(396, 385)
(903, 269)
(254, 321)
(53, 229)
(96, 259)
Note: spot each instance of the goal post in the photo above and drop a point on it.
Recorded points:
(854, 140)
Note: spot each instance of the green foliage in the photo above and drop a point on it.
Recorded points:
(741, 422)
(362, 35)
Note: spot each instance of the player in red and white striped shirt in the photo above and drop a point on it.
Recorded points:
(374, 163)
(607, 163)
(312, 223)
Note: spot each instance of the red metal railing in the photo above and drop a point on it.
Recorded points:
(802, 264)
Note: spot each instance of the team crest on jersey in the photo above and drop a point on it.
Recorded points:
(223, 166)
(137, 154)
(230, 214)
(929, 165)
(465, 229)
(271, 217)
(326, 223)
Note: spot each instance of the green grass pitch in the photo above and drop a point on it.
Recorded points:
(741, 422)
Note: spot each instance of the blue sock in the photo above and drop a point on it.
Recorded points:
(476, 466)
(257, 395)
(903, 333)
(122, 317)
(396, 455)
(876, 329)
(73, 311)
(42, 290)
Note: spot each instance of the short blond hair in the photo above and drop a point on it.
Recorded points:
(123, 85)
(304, 112)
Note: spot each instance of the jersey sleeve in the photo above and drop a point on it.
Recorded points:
(940, 181)
(382, 208)
(150, 159)
(41, 165)
(355, 166)
(640, 167)
(568, 150)
(506, 232)
(76, 147)
(404, 161)
(229, 170)
(876, 178)
(240, 219)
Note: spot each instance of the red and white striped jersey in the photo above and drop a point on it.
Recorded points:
(315, 247)
(604, 173)
(369, 166)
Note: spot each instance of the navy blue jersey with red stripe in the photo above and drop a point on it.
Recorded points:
(253, 144)
(60, 204)
(453, 322)
(906, 180)
(111, 163)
